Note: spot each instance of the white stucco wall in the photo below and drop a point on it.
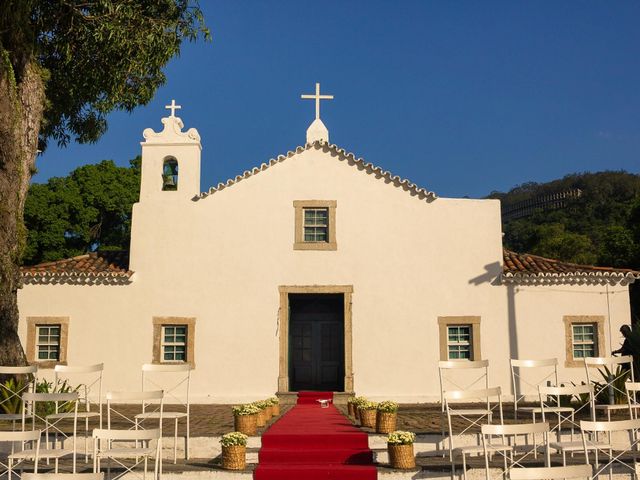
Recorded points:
(221, 260)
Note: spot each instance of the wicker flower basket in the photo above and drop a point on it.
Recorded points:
(234, 457)
(352, 409)
(401, 456)
(276, 409)
(368, 418)
(262, 418)
(246, 424)
(268, 413)
(386, 422)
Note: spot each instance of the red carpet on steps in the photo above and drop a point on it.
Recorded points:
(311, 443)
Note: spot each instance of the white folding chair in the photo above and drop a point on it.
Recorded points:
(461, 375)
(544, 370)
(550, 398)
(60, 402)
(63, 476)
(90, 392)
(504, 440)
(119, 445)
(127, 418)
(472, 417)
(633, 389)
(174, 380)
(613, 383)
(29, 443)
(551, 473)
(612, 448)
(11, 403)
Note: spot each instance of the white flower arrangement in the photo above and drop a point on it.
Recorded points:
(234, 439)
(351, 401)
(369, 405)
(357, 401)
(400, 437)
(273, 400)
(262, 404)
(388, 407)
(247, 409)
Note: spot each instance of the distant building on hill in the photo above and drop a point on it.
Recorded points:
(554, 201)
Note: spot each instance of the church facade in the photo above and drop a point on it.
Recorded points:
(314, 271)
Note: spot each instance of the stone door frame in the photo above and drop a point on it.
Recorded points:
(283, 330)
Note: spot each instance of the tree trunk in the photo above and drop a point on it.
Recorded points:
(21, 108)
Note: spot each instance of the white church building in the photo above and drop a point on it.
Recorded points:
(313, 271)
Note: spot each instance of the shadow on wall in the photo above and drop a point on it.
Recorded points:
(492, 275)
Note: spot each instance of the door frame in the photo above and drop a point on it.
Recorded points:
(283, 330)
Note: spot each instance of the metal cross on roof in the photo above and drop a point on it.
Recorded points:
(173, 107)
(317, 97)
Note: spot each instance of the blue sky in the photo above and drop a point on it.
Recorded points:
(461, 97)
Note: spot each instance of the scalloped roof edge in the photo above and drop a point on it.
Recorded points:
(369, 168)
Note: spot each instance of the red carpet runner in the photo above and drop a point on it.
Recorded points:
(311, 443)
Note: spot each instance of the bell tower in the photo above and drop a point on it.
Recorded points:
(170, 161)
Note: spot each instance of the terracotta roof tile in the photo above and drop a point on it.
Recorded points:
(525, 266)
(109, 267)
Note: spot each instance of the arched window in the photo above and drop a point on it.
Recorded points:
(170, 174)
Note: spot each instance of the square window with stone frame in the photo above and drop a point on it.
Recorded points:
(459, 342)
(584, 340)
(174, 343)
(48, 342)
(315, 225)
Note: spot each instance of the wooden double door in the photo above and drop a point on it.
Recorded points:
(316, 342)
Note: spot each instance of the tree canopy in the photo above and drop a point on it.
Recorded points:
(64, 65)
(90, 209)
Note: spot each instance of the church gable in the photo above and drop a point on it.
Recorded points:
(339, 154)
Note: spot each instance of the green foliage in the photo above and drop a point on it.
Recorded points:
(47, 408)
(10, 394)
(87, 210)
(601, 227)
(96, 56)
(602, 390)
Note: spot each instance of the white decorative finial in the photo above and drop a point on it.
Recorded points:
(317, 97)
(173, 107)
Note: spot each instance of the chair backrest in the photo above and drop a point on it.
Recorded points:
(510, 435)
(11, 398)
(27, 440)
(20, 436)
(612, 426)
(484, 394)
(583, 392)
(63, 476)
(612, 383)
(173, 379)
(92, 381)
(591, 430)
(551, 473)
(546, 370)
(127, 416)
(126, 435)
(468, 374)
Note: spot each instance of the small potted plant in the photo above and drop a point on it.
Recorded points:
(262, 413)
(275, 406)
(351, 406)
(357, 402)
(234, 451)
(368, 414)
(245, 418)
(386, 417)
(400, 448)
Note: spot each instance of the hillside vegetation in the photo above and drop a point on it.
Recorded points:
(598, 225)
